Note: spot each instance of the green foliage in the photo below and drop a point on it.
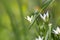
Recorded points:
(14, 25)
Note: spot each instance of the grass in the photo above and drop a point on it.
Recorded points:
(20, 29)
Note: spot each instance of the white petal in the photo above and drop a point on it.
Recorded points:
(31, 18)
(47, 14)
(28, 18)
(58, 29)
(56, 32)
(43, 16)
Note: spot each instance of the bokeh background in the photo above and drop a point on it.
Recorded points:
(14, 26)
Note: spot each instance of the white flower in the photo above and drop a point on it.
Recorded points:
(29, 18)
(44, 16)
(50, 24)
(39, 38)
(57, 31)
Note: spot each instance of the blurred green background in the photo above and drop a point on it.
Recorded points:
(13, 26)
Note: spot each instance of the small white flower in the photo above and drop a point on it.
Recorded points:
(57, 31)
(39, 38)
(44, 16)
(29, 18)
(50, 24)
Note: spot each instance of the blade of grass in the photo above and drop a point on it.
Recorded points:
(22, 18)
(0, 19)
(48, 2)
(12, 19)
(46, 37)
(48, 34)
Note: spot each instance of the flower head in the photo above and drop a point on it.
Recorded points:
(45, 17)
(57, 31)
(39, 38)
(29, 18)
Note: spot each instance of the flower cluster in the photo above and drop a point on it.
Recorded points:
(45, 17)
